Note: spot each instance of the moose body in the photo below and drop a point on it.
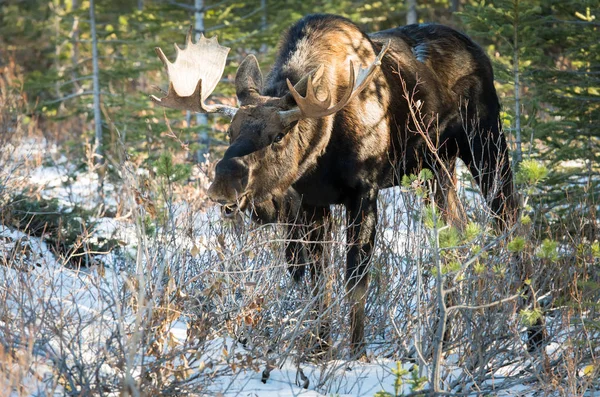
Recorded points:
(292, 154)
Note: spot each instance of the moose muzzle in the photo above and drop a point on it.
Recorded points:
(231, 178)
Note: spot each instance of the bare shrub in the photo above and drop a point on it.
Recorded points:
(15, 124)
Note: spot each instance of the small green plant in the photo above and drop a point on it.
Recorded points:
(417, 183)
(431, 217)
(449, 237)
(166, 168)
(478, 268)
(596, 249)
(450, 267)
(548, 250)
(415, 382)
(531, 173)
(517, 244)
(471, 231)
(530, 317)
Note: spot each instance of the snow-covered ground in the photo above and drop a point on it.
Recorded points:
(95, 320)
(82, 296)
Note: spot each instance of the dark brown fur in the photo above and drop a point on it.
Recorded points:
(294, 173)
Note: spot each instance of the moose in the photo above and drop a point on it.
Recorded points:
(320, 130)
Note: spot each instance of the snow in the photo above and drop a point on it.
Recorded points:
(50, 284)
(359, 380)
(87, 296)
(71, 188)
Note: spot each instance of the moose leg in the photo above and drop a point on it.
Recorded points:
(307, 229)
(362, 221)
(446, 196)
(446, 200)
(486, 154)
(296, 253)
(288, 209)
(321, 282)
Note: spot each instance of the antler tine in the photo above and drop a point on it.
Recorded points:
(365, 74)
(310, 100)
(194, 75)
(313, 95)
(294, 114)
(311, 106)
(174, 101)
(162, 57)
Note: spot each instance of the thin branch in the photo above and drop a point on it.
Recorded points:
(194, 9)
(71, 96)
(484, 306)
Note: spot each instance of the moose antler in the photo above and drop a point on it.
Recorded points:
(312, 107)
(194, 75)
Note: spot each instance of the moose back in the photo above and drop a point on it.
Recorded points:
(321, 129)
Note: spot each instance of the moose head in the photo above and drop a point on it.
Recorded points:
(267, 151)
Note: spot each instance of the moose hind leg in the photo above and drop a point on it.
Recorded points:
(446, 195)
(447, 202)
(485, 153)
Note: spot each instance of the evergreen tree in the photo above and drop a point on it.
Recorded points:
(509, 26)
(568, 135)
(547, 63)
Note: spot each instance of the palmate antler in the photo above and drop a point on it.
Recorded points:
(194, 75)
(312, 107)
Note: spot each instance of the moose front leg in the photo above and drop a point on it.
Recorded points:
(296, 252)
(321, 282)
(307, 234)
(362, 221)
(287, 209)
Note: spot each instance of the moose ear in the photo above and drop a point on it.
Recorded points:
(248, 80)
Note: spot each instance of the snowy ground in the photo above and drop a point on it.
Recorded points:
(83, 293)
(68, 317)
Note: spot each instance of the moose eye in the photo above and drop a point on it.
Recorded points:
(279, 137)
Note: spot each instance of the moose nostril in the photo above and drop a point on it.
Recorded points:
(229, 209)
(231, 176)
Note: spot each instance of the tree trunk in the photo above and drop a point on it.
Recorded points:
(454, 6)
(96, 82)
(201, 119)
(75, 52)
(411, 15)
(263, 18)
(518, 150)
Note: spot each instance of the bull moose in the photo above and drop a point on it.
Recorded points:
(320, 131)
